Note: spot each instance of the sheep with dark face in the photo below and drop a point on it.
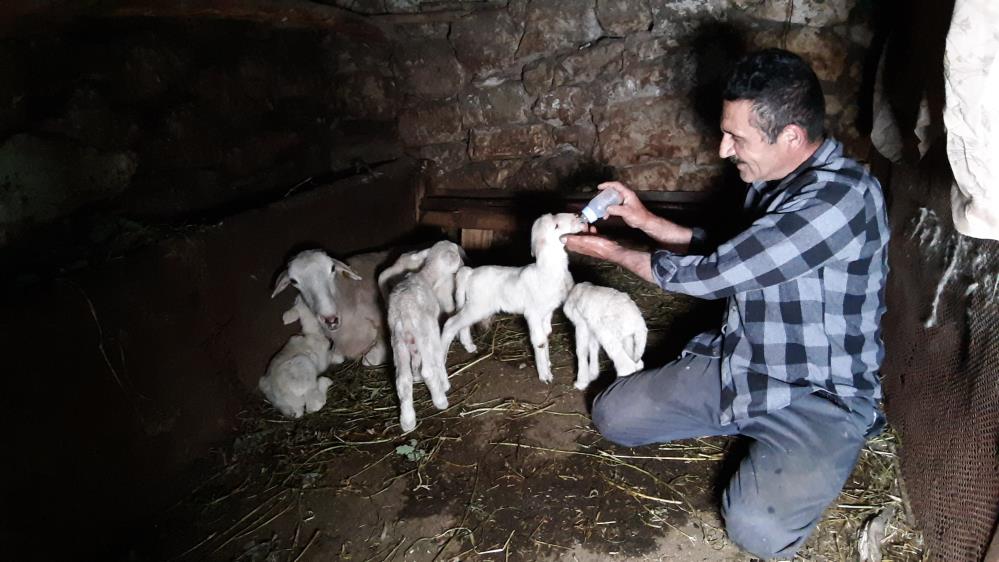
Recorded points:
(344, 299)
(415, 304)
(535, 290)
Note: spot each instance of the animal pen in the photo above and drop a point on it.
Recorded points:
(160, 163)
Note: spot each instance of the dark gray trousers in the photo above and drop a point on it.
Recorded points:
(798, 460)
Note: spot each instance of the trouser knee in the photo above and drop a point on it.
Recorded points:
(759, 530)
(612, 421)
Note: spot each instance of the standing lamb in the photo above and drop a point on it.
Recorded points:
(344, 299)
(535, 290)
(292, 382)
(606, 318)
(414, 309)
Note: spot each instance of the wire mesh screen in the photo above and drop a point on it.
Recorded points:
(940, 378)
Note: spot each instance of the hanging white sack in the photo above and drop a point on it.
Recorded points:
(971, 72)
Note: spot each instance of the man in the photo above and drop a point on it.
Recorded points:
(794, 366)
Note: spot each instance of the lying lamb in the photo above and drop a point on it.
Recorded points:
(535, 290)
(606, 318)
(344, 299)
(292, 382)
(414, 309)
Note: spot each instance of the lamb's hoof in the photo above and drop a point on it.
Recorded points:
(581, 385)
(408, 424)
(471, 348)
(545, 379)
(441, 404)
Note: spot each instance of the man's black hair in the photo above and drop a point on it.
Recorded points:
(783, 90)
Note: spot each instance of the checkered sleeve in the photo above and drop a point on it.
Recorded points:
(826, 221)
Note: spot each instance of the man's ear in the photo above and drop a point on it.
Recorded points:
(794, 136)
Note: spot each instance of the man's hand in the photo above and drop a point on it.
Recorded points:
(590, 244)
(636, 215)
(593, 245)
(631, 210)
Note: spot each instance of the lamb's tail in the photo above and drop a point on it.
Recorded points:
(461, 286)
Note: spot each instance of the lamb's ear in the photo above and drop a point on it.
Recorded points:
(541, 225)
(345, 269)
(291, 316)
(281, 284)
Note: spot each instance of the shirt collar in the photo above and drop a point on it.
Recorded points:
(829, 150)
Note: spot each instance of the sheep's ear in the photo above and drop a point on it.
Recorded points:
(345, 270)
(281, 284)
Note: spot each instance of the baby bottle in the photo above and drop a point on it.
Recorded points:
(597, 207)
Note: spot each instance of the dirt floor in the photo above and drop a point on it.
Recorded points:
(512, 470)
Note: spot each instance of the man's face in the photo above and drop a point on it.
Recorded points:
(746, 146)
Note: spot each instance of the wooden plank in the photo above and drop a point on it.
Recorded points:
(26, 16)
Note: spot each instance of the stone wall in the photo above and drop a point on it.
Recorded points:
(553, 94)
(110, 128)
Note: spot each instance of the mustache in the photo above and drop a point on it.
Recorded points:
(735, 160)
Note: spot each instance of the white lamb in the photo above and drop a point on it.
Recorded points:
(344, 299)
(415, 305)
(292, 382)
(535, 290)
(606, 318)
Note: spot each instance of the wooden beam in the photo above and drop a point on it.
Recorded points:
(26, 16)
(512, 210)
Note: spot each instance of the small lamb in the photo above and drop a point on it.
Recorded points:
(414, 309)
(606, 318)
(535, 290)
(292, 382)
(344, 299)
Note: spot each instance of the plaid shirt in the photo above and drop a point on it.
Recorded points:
(805, 288)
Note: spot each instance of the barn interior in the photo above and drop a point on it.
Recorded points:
(160, 162)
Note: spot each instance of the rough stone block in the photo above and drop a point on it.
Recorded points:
(429, 69)
(815, 13)
(822, 48)
(366, 95)
(552, 25)
(485, 41)
(648, 129)
(539, 76)
(602, 59)
(650, 176)
(564, 106)
(431, 123)
(503, 104)
(446, 157)
(511, 142)
(621, 17)
(45, 179)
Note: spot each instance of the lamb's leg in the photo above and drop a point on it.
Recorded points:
(431, 371)
(594, 357)
(539, 339)
(459, 323)
(624, 365)
(582, 354)
(439, 366)
(404, 385)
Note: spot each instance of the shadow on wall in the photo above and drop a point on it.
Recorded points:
(717, 46)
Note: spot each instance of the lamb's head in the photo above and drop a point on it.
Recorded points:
(548, 229)
(313, 273)
(444, 259)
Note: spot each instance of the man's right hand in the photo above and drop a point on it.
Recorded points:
(635, 214)
(631, 210)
